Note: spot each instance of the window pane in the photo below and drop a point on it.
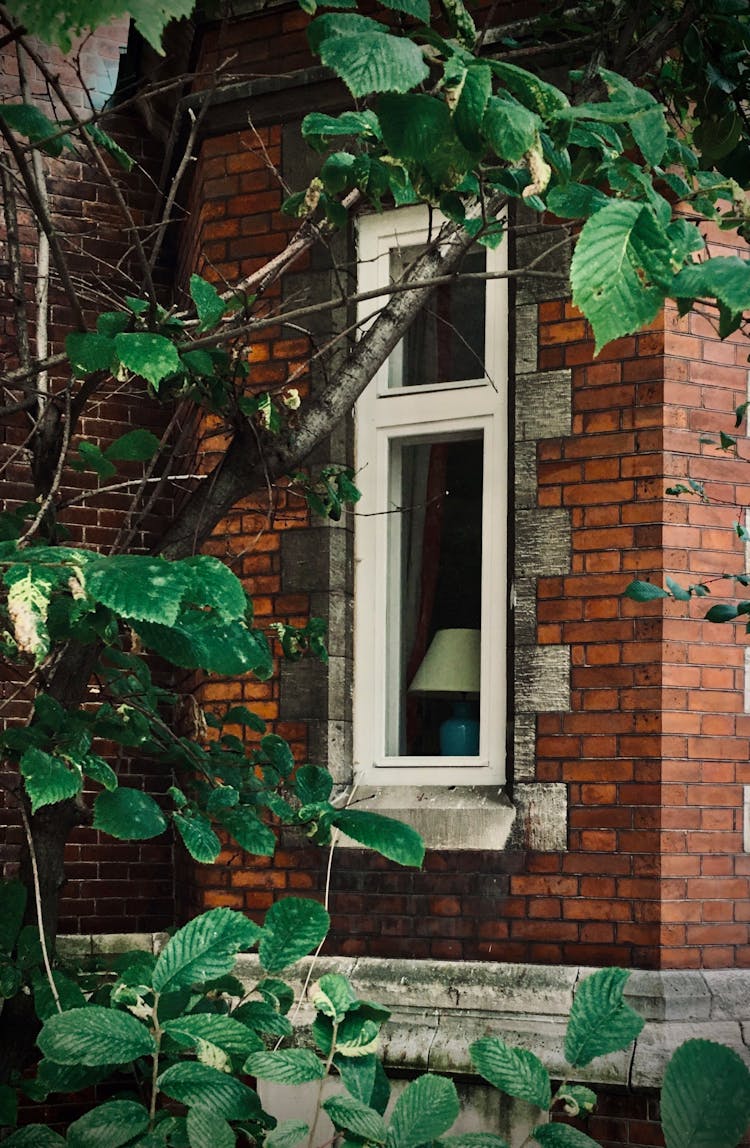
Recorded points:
(445, 344)
(434, 597)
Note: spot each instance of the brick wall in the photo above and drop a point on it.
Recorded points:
(651, 748)
(110, 884)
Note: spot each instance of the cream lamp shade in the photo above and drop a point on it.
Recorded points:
(451, 665)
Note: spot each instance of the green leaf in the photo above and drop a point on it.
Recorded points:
(151, 357)
(395, 840)
(535, 94)
(318, 128)
(332, 995)
(103, 140)
(576, 200)
(367, 60)
(199, 838)
(649, 128)
(12, 906)
(223, 1031)
(206, 1087)
(109, 1126)
(705, 1097)
(419, 9)
(208, 303)
(248, 831)
(88, 352)
(677, 591)
(261, 1016)
(204, 949)
(723, 277)
(58, 23)
(207, 1130)
(601, 1021)
(211, 583)
(34, 1136)
(365, 1078)
(562, 1136)
(426, 1108)
(286, 1134)
(353, 1116)
(722, 613)
(135, 446)
(644, 591)
(287, 1066)
(10, 979)
(98, 770)
(276, 993)
(510, 129)
(111, 323)
(513, 1070)
(196, 640)
(241, 715)
(576, 1098)
(68, 992)
(48, 779)
(278, 752)
(29, 121)
(94, 1036)
(621, 270)
(292, 928)
(312, 783)
(138, 587)
(93, 459)
(128, 814)
(476, 90)
(418, 129)
(199, 362)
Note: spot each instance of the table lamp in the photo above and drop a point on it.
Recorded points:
(451, 669)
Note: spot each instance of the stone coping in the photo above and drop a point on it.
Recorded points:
(439, 1007)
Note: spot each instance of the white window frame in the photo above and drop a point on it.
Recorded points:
(383, 415)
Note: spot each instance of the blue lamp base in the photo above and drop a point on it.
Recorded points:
(459, 734)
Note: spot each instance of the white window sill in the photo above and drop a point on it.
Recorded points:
(447, 817)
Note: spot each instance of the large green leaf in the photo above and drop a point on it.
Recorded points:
(510, 129)
(58, 22)
(364, 1077)
(535, 94)
(138, 587)
(601, 1020)
(287, 1066)
(562, 1136)
(318, 128)
(513, 1070)
(135, 446)
(426, 1108)
(128, 814)
(575, 200)
(206, 1087)
(208, 303)
(292, 929)
(94, 1036)
(199, 838)
(248, 830)
(34, 1136)
(366, 57)
(211, 583)
(287, 1134)
(621, 269)
(705, 1097)
(48, 779)
(644, 591)
(723, 277)
(197, 640)
(205, 948)
(88, 352)
(223, 1031)
(476, 89)
(12, 905)
(394, 839)
(207, 1130)
(108, 1126)
(418, 129)
(152, 357)
(29, 121)
(312, 783)
(354, 1116)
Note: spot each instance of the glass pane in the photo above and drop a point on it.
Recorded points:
(445, 344)
(434, 613)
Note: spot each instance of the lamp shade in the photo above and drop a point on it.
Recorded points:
(451, 665)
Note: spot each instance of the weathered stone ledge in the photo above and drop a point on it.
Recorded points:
(439, 1007)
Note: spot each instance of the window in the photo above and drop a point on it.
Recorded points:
(430, 581)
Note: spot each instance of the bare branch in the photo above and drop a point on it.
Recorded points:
(16, 265)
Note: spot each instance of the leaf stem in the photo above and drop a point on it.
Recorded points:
(38, 907)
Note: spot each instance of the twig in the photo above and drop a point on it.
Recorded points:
(187, 156)
(57, 477)
(38, 906)
(16, 265)
(124, 486)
